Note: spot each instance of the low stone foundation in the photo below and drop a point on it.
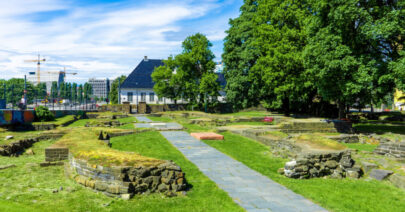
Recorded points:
(54, 153)
(124, 182)
(280, 147)
(391, 149)
(325, 126)
(17, 147)
(337, 165)
(345, 138)
(42, 127)
(103, 124)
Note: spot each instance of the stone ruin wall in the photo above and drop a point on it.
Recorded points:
(336, 165)
(322, 126)
(124, 182)
(391, 149)
(17, 147)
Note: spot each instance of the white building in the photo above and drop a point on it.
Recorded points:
(138, 87)
(46, 77)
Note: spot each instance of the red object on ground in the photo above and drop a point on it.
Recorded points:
(268, 119)
(207, 136)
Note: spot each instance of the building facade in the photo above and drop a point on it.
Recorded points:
(138, 87)
(101, 87)
(46, 77)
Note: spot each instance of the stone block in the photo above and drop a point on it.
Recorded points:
(397, 180)
(207, 136)
(380, 174)
(368, 166)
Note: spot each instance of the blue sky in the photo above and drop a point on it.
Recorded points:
(104, 38)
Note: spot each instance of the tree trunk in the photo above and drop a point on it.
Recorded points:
(342, 107)
(286, 106)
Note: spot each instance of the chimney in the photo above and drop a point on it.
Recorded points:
(145, 58)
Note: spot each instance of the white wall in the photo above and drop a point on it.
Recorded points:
(136, 97)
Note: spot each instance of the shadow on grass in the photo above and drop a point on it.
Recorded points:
(379, 128)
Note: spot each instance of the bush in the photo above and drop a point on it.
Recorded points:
(43, 114)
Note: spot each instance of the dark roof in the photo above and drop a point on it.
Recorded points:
(221, 79)
(141, 75)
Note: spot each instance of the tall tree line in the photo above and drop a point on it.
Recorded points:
(289, 53)
(13, 89)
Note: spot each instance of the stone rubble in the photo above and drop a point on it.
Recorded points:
(337, 165)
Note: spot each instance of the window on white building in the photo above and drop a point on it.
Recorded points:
(151, 97)
(143, 97)
(160, 99)
(130, 96)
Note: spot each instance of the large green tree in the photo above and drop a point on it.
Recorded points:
(190, 74)
(280, 36)
(349, 48)
(240, 54)
(167, 82)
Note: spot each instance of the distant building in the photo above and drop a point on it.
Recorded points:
(399, 104)
(219, 67)
(101, 87)
(46, 77)
(138, 87)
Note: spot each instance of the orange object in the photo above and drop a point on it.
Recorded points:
(207, 136)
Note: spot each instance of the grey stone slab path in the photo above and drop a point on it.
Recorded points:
(248, 188)
(168, 126)
(143, 119)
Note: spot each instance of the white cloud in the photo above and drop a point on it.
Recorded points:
(95, 41)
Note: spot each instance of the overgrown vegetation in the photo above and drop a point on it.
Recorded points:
(96, 151)
(42, 113)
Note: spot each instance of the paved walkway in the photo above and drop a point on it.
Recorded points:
(143, 119)
(248, 188)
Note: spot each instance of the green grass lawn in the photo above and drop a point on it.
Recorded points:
(162, 119)
(79, 123)
(204, 194)
(249, 113)
(254, 123)
(17, 135)
(58, 121)
(334, 195)
(28, 187)
(361, 147)
(379, 128)
(128, 122)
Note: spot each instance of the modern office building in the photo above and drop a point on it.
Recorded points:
(101, 87)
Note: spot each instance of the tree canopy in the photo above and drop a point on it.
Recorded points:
(190, 74)
(292, 52)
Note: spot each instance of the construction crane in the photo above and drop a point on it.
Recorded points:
(38, 61)
(63, 72)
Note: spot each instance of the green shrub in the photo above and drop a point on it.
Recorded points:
(43, 114)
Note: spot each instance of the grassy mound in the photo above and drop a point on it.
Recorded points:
(58, 121)
(83, 143)
(316, 141)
